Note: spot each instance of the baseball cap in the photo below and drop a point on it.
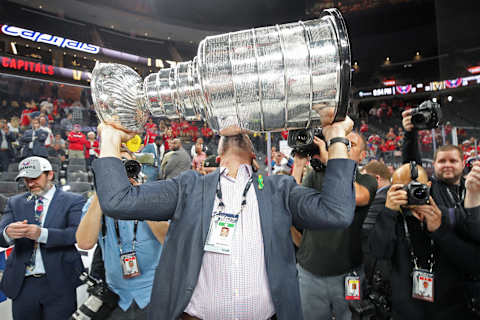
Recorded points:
(32, 167)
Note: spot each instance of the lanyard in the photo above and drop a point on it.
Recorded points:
(453, 199)
(244, 194)
(431, 260)
(117, 230)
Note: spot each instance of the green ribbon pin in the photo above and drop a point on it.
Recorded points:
(260, 182)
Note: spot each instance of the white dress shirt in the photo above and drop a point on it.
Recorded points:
(235, 286)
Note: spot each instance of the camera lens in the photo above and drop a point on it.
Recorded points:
(418, 118)
(420, 192)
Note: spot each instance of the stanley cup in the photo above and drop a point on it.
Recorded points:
(287, 76)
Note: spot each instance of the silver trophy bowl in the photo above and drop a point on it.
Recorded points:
(287, 76)
(116, 96)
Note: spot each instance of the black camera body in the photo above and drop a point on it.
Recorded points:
(427, 115)
(418, 193)
(101, 302)
(133, 168)
(301, 141)
(469, 164)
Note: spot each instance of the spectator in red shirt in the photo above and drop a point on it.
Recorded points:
(150, 125)
(207, 133)
(93, 151)
(391, 134)
(77, 143)
(364, 127)
(168, 137)
(25, 117)
(389, 112)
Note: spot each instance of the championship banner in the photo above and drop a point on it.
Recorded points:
(4, 253)
(22, 65)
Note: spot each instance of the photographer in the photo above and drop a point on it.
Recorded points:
(448, 186)
(426, 254)
(330, 260)
(130, 249)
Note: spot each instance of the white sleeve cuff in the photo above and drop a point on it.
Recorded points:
(43, 235)
(7, 238)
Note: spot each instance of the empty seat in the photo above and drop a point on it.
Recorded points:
(55, 160)
(79, 187)
(77, 161)
(8, 176)
(8, 187)
(77, 176)
(13, 166)
(76, 168)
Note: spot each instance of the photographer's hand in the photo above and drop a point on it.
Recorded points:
(322, 146)
(431, 213)
(299, 164)
(407, 120)
(472, 184)
(396, 197)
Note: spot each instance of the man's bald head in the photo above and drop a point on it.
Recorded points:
(403, 175)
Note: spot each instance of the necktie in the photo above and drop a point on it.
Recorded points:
(38, 221)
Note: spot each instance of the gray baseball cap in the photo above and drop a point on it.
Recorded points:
(32, 167)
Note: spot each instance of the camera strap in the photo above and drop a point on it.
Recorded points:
(422, 279)
(431, 260)
(117, 231)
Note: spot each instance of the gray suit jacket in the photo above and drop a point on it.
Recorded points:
(177, 162)
(188, 200)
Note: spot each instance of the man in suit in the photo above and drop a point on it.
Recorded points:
(251, 273)
(42, 272)
(33, 141)
(7, 153)
(176, 161)
(157, 149)
(382, 174)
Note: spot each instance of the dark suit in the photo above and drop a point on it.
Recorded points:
(60, 258)
(376, 207)
(38, 148)
(187, 200)
(7, 155)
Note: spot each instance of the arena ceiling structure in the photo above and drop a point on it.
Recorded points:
(402, 40)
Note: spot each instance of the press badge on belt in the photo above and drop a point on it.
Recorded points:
(352, 287)
(129, 265)
(220, 233)
(422, 285)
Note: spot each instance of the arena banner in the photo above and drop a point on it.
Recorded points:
(439, 85)
(62, 42)
(17, 64)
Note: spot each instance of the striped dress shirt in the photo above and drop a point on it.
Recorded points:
(235, 286)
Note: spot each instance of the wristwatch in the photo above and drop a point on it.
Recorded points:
(340, 140)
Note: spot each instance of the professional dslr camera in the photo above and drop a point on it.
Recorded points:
(133, 168)
(99, 304)
(469, 164)
(427, 115)
(301, 141)
(418, 193)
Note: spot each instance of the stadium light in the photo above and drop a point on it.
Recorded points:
(14, 48)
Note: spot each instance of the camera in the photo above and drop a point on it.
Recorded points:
(101, 302)
(427, 115)
(469, 164)
(133, 168)
(301, 141)
(418, 193)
